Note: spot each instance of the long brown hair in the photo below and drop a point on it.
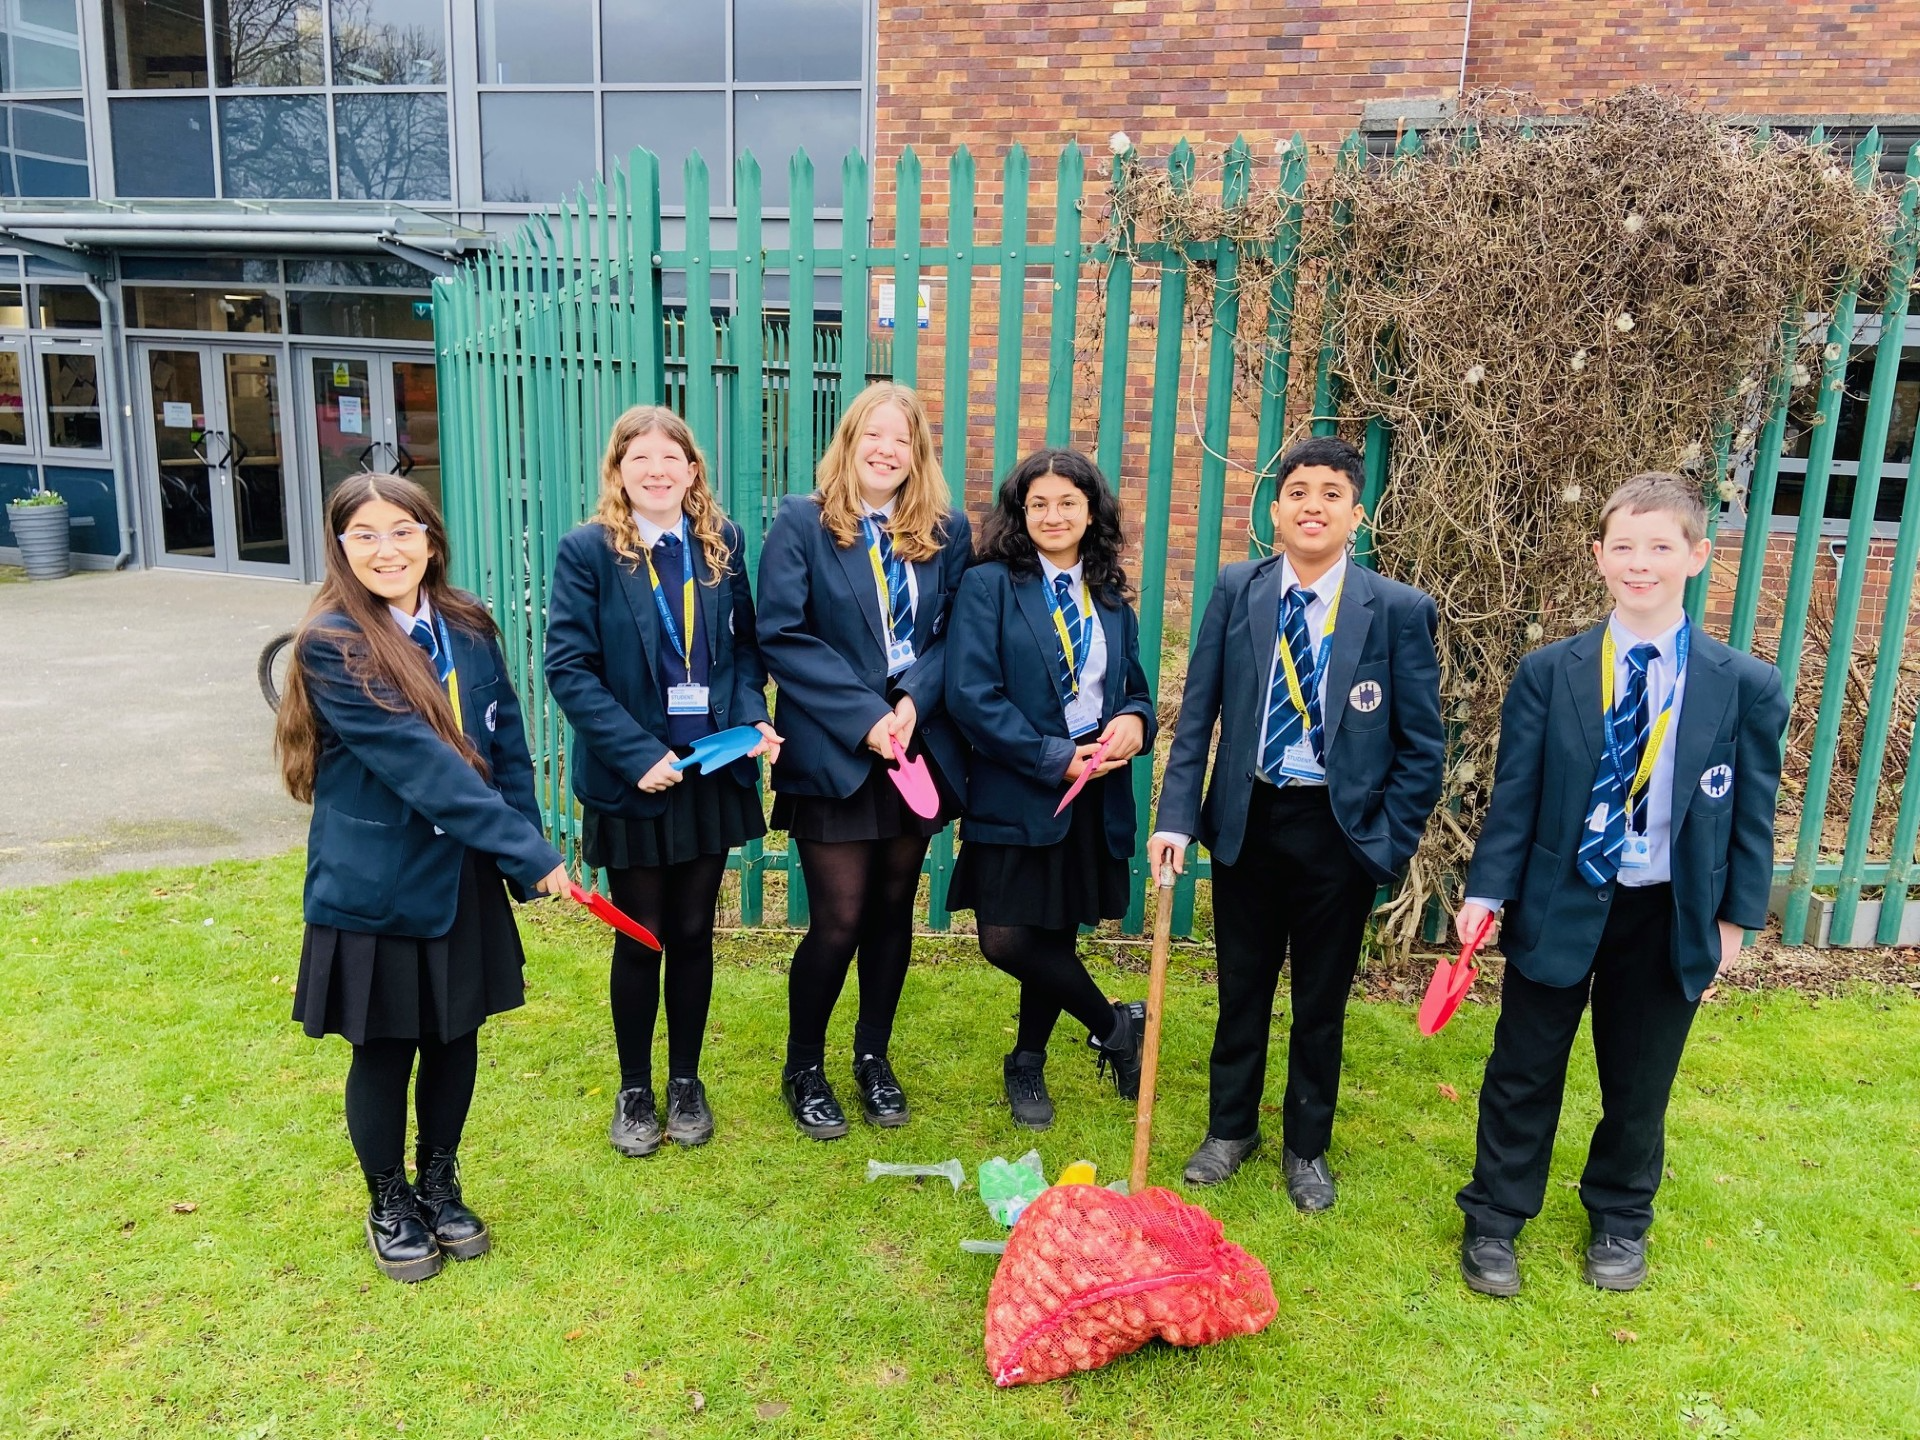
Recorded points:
(396, 673)
(702, 510)
(920, 505)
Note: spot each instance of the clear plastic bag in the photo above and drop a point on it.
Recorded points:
(946, 1170)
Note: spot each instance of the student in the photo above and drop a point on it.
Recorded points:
(855, 583)
(650, 648)
(400, 726)
(1324, 679)
(1043, 667)
(1630, 840)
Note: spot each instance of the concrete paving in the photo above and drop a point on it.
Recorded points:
(132, 731)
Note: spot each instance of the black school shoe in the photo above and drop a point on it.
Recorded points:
(1615, 1262)
(881, 1098)
(1217, 1159)
(689, 1121)
(1120, 1052)
(397, 1233)
(636, 1122)
(1025, 1075)
(1309, 1182)
(1488, 1266)
(810, 1100)
(461, 1233)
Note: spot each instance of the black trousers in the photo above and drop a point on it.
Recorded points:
(1296, 893)
(1640, 1024)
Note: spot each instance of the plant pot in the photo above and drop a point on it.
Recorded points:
(46, 545)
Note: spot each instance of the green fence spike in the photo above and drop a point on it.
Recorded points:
(1278, 360)
(906, 269)
(1011, 258)
(1064, 269)
(853, 279)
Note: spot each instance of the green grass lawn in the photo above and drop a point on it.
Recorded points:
(181, 1253)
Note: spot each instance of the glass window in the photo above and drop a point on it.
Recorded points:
(47, 154)
(228, 270)
(274, 147)
(389, 42)
(536, 42)
(65, 307)
(227, 311)
(72, 399)
(162, 147)
(156, 45)
(360, 274)
(534, 148)
(664, 41)
(42, 50)
(366, 317)
(268, 42)
(13, 400)
(775, 123)
(671, 123)
(392, 147)
(13, 312)
(798, 39)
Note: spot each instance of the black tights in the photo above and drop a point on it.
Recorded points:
(861, 895)
(676, 903)
(377, 1096)
(1052, 979)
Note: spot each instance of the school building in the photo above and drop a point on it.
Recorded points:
(221, 218)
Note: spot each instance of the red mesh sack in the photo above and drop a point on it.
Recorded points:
(1090, 1275)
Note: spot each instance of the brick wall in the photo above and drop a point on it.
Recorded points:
(1752, 57)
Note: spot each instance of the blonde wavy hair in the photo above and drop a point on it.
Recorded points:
(703, 512)
(921, 504)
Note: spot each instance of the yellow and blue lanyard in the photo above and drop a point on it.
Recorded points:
(880, 577)
(1075, 650)
(452, 677)
(1658, 734)
(1295, 692)
(681, 647)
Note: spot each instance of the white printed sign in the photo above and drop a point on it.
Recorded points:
(351, 421)
(176, 414)
(888, 292)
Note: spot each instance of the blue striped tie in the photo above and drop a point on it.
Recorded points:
(1284, 722)
(422, 635)
(1631, 723)
(900, 615)
(1070, 617)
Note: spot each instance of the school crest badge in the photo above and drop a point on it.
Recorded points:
(1717, 781)
(1365, 697)
(493, 716)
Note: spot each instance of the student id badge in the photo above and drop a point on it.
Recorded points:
(1637, 853)
(899, 656)
(1297, 763)
(686, 700)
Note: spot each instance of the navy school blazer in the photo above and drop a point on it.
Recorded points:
(603, 665)
(1726, 778)
(395, 808)
(1002, 691)
(823, 640)
(1380, 707)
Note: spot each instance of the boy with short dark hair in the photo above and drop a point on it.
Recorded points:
(1325, 682)
(1630, 840)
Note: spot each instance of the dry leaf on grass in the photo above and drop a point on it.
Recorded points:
(1449, 1092)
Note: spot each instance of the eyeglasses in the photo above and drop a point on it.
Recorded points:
(365, 542)
(1066, 509)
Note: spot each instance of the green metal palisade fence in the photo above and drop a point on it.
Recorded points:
(544, 341)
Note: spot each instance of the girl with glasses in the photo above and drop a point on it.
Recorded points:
(1043, 671)
(401, 728)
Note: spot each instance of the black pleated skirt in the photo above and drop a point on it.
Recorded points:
(396, 987)
(705, 815)
(875, 811)
(1057, 887)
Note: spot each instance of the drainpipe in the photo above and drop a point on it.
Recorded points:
(115, 358)
(1466, 34)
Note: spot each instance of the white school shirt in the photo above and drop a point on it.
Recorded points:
(1663, 676)
(880, 517)
(1083, 711)
(650, 533)
(405, 621)
(1318, 608)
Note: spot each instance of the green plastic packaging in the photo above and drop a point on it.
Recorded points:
(1008, 1187)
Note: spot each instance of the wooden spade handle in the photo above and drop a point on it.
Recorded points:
(1150, 1042)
